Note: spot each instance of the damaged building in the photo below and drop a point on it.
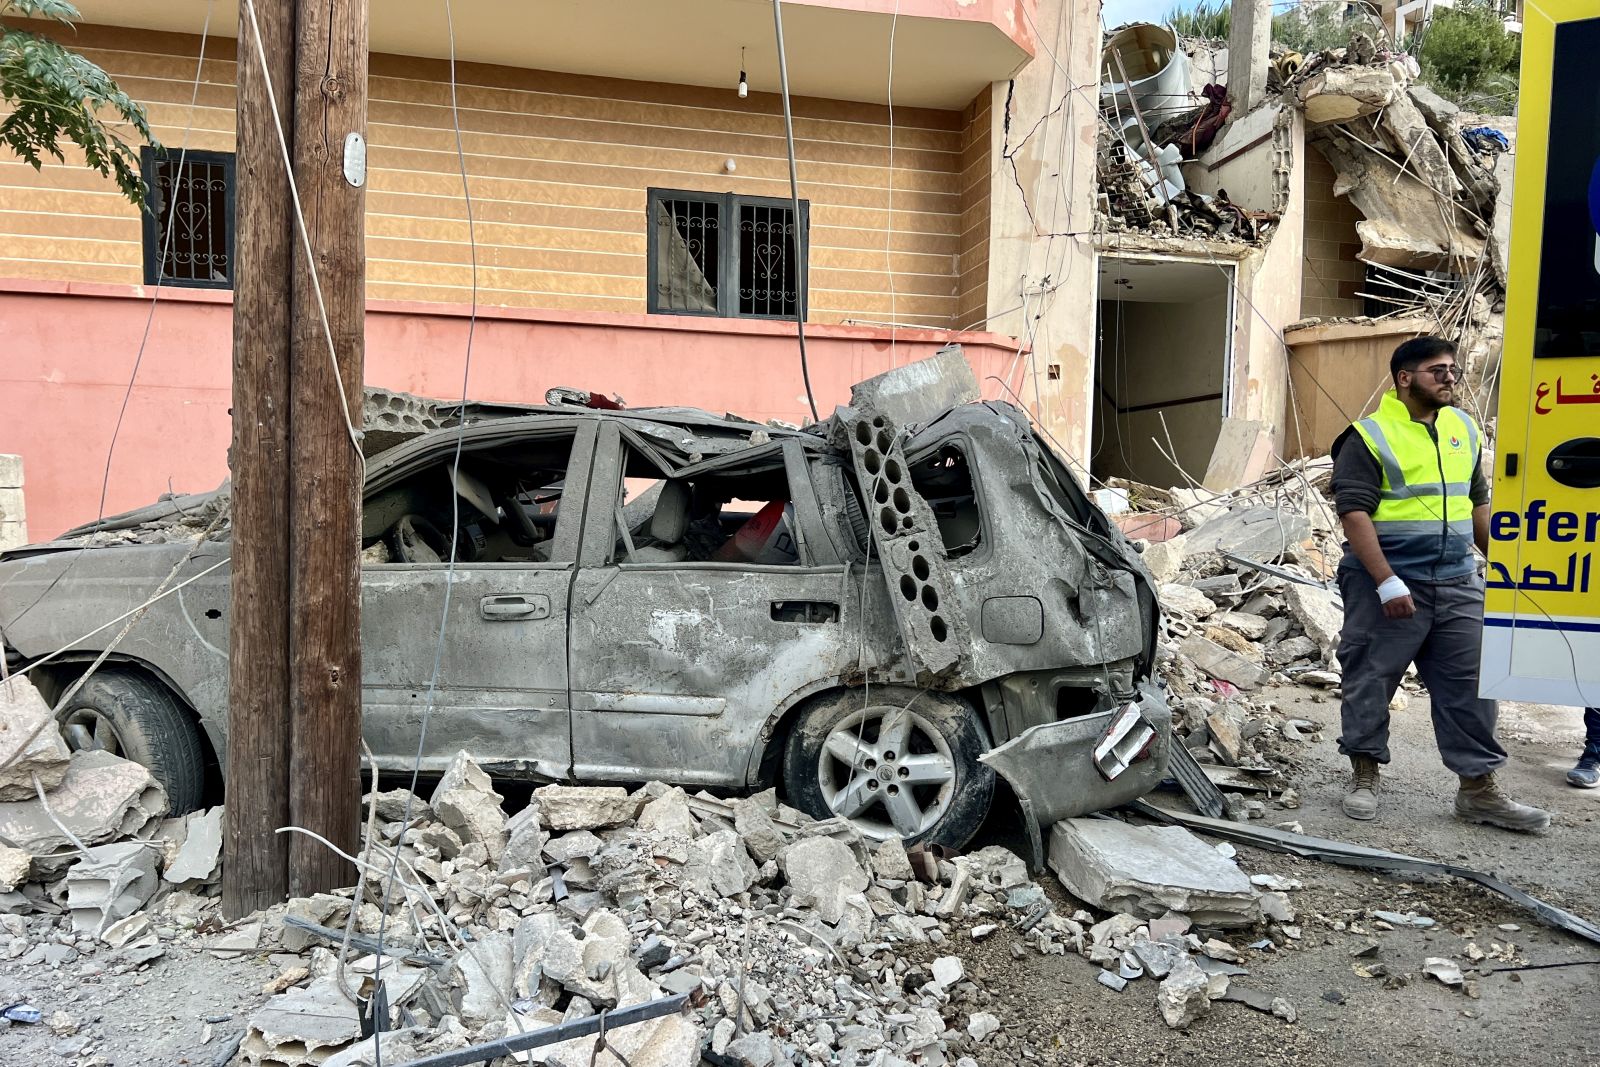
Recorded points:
(1268, 227)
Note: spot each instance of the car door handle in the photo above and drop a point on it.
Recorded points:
(511, 607)
(1576, 463)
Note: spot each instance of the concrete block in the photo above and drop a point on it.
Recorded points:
(756, 827)
(22, 711)
(1149, 870)
(669, 814)
(465, 801)
(580, 807)
(10, 471)
(13, 534)
(12, 506)
(1262, 534)
(1165, 558)
(1184, 995)
(1320, 612)
(113, 882)
(1339, 94)
(918, 392)
(1219, 663)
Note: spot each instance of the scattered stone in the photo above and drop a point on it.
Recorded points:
(125, 930)
(301, 1026)
(14, 867)
(1222, 664)
(1444, 970)
(1165, 558)
(1395, 918)
(102, 797)
(1221, 950)
(669, 814)
(947, 970)
(983, 1024)
(1187, 599)
(719, 865)
(1184, 995)
(1111, 981)
(754, 825)
(889, 861)
(291, 977)
(983, 930)
(1320, 612)
(1148, 871)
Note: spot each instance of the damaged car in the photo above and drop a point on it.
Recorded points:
(881, 615)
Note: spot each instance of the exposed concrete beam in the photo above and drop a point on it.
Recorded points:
(1249, 42)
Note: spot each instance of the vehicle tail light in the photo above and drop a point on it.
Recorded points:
(1126, 740)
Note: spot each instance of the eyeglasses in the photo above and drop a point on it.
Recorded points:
(1441, 374)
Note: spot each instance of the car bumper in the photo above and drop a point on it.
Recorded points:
(1053, 770)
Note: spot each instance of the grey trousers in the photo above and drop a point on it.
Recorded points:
(1443, 639)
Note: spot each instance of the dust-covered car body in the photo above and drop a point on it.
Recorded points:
(664, 594)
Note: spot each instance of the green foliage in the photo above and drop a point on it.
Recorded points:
(56, 94)
(1208, 19)
(1467, 55)
(1322, 26)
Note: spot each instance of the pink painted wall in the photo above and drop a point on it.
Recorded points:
(67, 351)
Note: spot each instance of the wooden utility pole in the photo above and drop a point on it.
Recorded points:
(256, 874)
(295, 642)
(330, 129)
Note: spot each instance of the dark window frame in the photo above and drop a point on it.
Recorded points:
(155, 233)
(727, 281)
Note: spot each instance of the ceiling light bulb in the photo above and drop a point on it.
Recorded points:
(744, 86)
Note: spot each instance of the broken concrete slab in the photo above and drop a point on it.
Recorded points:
(101, 797)
(889, 861)
(1176, 596)
(200, 854)
(1220, 663)
(1258, 533)
(824, 871)
(301, 1027)
(916, 392)
(1411, 139)
(579, 807)
(485, 971)
(30, 742)
(1446, 971)
(1147, 871)
(1339, 94)
(1242, 454)
(111, 883)
(1253, 627)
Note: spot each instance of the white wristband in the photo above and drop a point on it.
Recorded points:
(1392, 588)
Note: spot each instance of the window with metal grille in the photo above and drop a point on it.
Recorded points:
(188, 229)
(726, 255)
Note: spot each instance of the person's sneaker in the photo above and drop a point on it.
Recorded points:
(1361, 799)
(1481, 800)
(1586, 775)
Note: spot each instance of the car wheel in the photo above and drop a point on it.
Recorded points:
(895, 762)
(130, 715)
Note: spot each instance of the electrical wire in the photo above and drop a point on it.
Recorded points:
(455, 512)
(800, 229)
(305, 238)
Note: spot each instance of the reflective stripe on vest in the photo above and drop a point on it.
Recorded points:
(1424, 513)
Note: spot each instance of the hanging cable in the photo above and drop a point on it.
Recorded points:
(801, 238)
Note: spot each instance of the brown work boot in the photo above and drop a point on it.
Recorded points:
(1482, 800)
(1361, 799)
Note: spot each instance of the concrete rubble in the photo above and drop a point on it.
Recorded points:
(796, 940)
(27, 751)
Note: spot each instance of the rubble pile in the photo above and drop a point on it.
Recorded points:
(793, 940)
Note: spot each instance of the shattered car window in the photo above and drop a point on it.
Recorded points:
(726, 517)
(943, 477)
(508, 501)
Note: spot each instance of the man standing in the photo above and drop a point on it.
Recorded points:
(1413, 502)
(1586, 775)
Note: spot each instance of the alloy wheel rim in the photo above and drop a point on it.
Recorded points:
(887, 770)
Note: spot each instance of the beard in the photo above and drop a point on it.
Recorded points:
(1427, 398)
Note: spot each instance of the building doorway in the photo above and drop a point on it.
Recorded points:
(1163, 363)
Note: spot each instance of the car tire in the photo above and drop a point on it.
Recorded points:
(133, 716)
(921, 781)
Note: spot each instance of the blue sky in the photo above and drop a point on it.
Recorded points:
(1116, 12)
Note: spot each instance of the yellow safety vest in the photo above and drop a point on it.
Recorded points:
(1424, 515)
